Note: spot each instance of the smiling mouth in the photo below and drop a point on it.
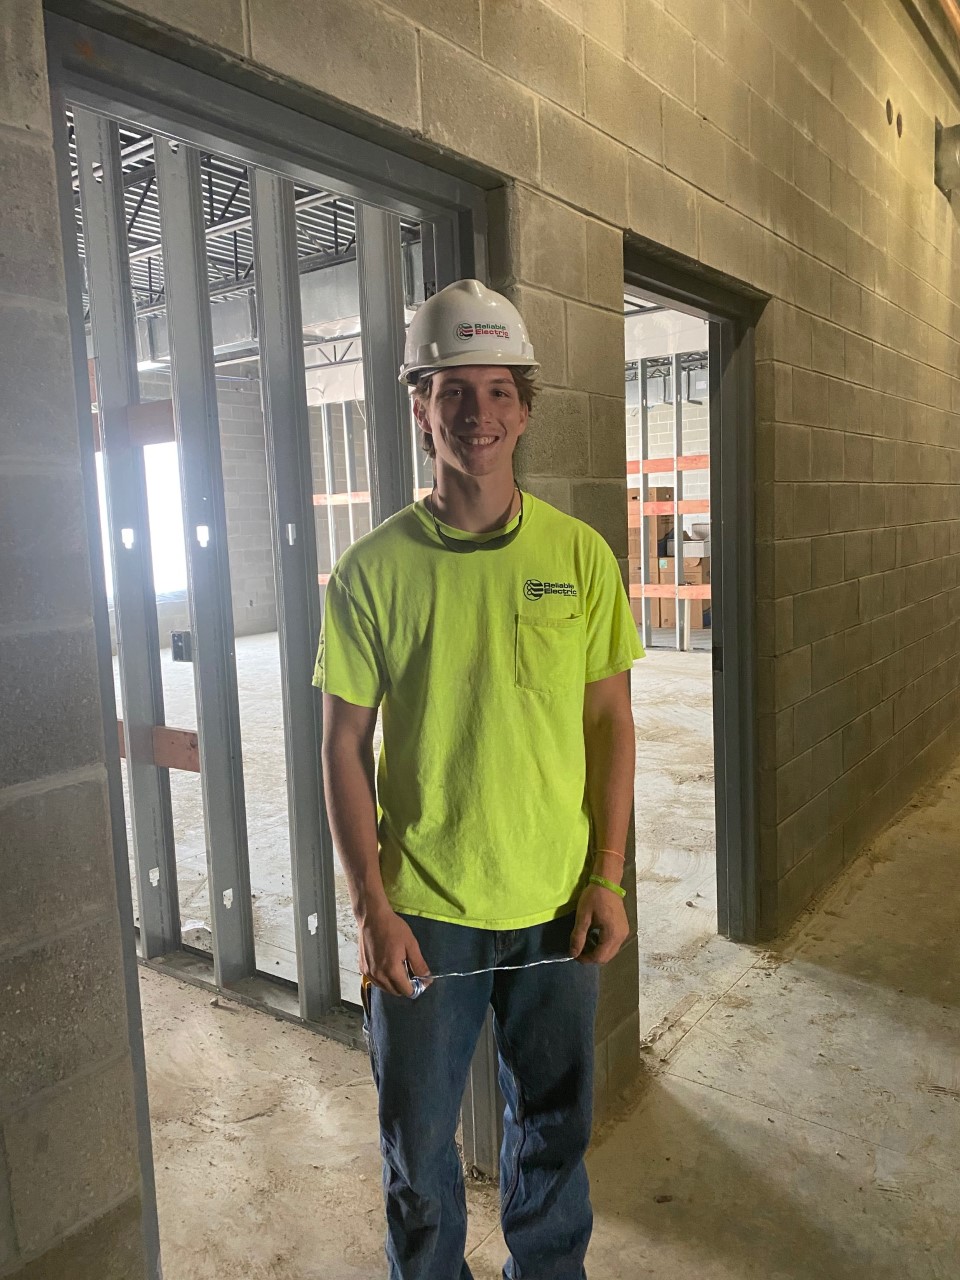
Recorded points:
(478, 440)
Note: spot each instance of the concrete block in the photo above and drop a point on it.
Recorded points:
(110, 1248)
(792, 674)
(693, 149)
(792, 452)
(358, 54)
(844, 507)
(43, 557)
(551, 244)
(31, 259)
(503, 135)
(623, 1056)
(8, 1236)
(826, 610)
(858, 359)
(557, 439)
(811, 398)
(604, 20)
(826, 450)
(745, 45)
(24, 99)
(661, 47)
(546, 321)
(827, 341)
(73, 1152)
(536, 47)
(858, 454)
(825, 713)
(595, 349)
(811, 170)
(582, 165)
(70, 879)
(608, 440)
(572, 10)
(51, 696)
(813, 285)
(458, 20)
(793, 785)
(827, 662)
(622, 102)
(771, 138)
(216, 22)
(827, 560)
(64, 1008)
(811, 510)
(722, 97)
(603, 505)
(605, 266)
(792, 567)
(619, 991)
(728, 240)
(662, 207)
(38, 416)
(555, 490)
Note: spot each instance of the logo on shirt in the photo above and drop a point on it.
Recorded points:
(534, 589)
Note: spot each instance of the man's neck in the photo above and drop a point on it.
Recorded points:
(475, 505)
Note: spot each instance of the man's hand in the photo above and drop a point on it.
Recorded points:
(387, 946)
(601, 909)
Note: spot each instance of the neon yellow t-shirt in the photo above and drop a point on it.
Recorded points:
(479, 661)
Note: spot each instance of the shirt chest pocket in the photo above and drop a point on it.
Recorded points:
(551, 653)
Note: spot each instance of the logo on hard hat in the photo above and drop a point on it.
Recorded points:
(465, 330)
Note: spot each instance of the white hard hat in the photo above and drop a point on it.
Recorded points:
(466, 323)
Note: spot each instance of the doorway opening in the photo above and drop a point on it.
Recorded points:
(689, 434)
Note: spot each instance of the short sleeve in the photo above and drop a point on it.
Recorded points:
(613, 644)
(350, 657)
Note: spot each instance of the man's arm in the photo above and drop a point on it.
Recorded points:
(610, 746)
(386, 941)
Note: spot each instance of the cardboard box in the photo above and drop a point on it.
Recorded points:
(695, 573)
(659, 527)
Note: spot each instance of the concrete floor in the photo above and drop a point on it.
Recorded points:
(799, 1115)
(672, 700)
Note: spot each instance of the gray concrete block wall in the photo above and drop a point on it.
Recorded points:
(70, 1191)
(762, 151)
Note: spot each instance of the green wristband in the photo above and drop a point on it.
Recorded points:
(608, 884)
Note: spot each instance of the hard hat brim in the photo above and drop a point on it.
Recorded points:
(411, 374)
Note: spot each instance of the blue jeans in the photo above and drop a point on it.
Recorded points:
(421, 1051)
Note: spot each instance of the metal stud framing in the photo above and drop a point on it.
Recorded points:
(112, 316)
(679, 568)
(381, 323)
(205, 525)
(298, 600)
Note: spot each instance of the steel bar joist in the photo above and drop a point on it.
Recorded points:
(205, 528)
(298, 599)
(382, 325)
(112, 317)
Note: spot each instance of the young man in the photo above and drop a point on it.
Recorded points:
(495, 633)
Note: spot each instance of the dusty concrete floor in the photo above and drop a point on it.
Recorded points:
(800, 1116)
(672, 700)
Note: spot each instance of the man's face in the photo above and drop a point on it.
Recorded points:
(475, 417)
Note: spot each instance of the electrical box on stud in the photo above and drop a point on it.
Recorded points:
(946, 162)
